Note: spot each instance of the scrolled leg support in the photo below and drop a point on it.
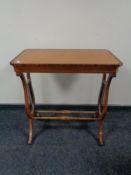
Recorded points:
(103, 104)
(29, 102)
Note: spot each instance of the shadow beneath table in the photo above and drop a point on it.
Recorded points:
(56, 125)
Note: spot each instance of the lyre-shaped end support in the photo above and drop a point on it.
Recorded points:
(29, 102)
(103, 104)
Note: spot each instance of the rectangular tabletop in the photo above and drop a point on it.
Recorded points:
(66, 61)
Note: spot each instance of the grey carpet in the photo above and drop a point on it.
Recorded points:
(65, 148)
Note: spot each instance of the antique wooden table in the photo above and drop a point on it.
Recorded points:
(99, 61)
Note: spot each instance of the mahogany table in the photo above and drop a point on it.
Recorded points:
(99, 61)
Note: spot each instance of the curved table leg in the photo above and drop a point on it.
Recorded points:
(103, 104)
(29, 102)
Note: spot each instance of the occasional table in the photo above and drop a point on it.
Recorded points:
(98, 61)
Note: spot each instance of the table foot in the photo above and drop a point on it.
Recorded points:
(100, 135)
(30, 131)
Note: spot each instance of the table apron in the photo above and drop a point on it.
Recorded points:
(66, 69)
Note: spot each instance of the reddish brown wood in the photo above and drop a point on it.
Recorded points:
(29, 102)
(103, 104)
(32, 97)
(66, 57)
(66, 61)
(30, 131)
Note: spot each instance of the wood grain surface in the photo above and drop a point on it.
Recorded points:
(66, 57)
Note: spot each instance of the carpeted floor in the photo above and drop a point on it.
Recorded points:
(65, 148)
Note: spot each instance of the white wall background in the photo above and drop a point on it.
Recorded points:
(65, 24)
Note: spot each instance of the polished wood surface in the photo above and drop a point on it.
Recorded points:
(66, 57)
(66, 61)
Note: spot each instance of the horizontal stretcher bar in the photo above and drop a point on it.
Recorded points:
(40, 115)
(65, 112)
(64, 118)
